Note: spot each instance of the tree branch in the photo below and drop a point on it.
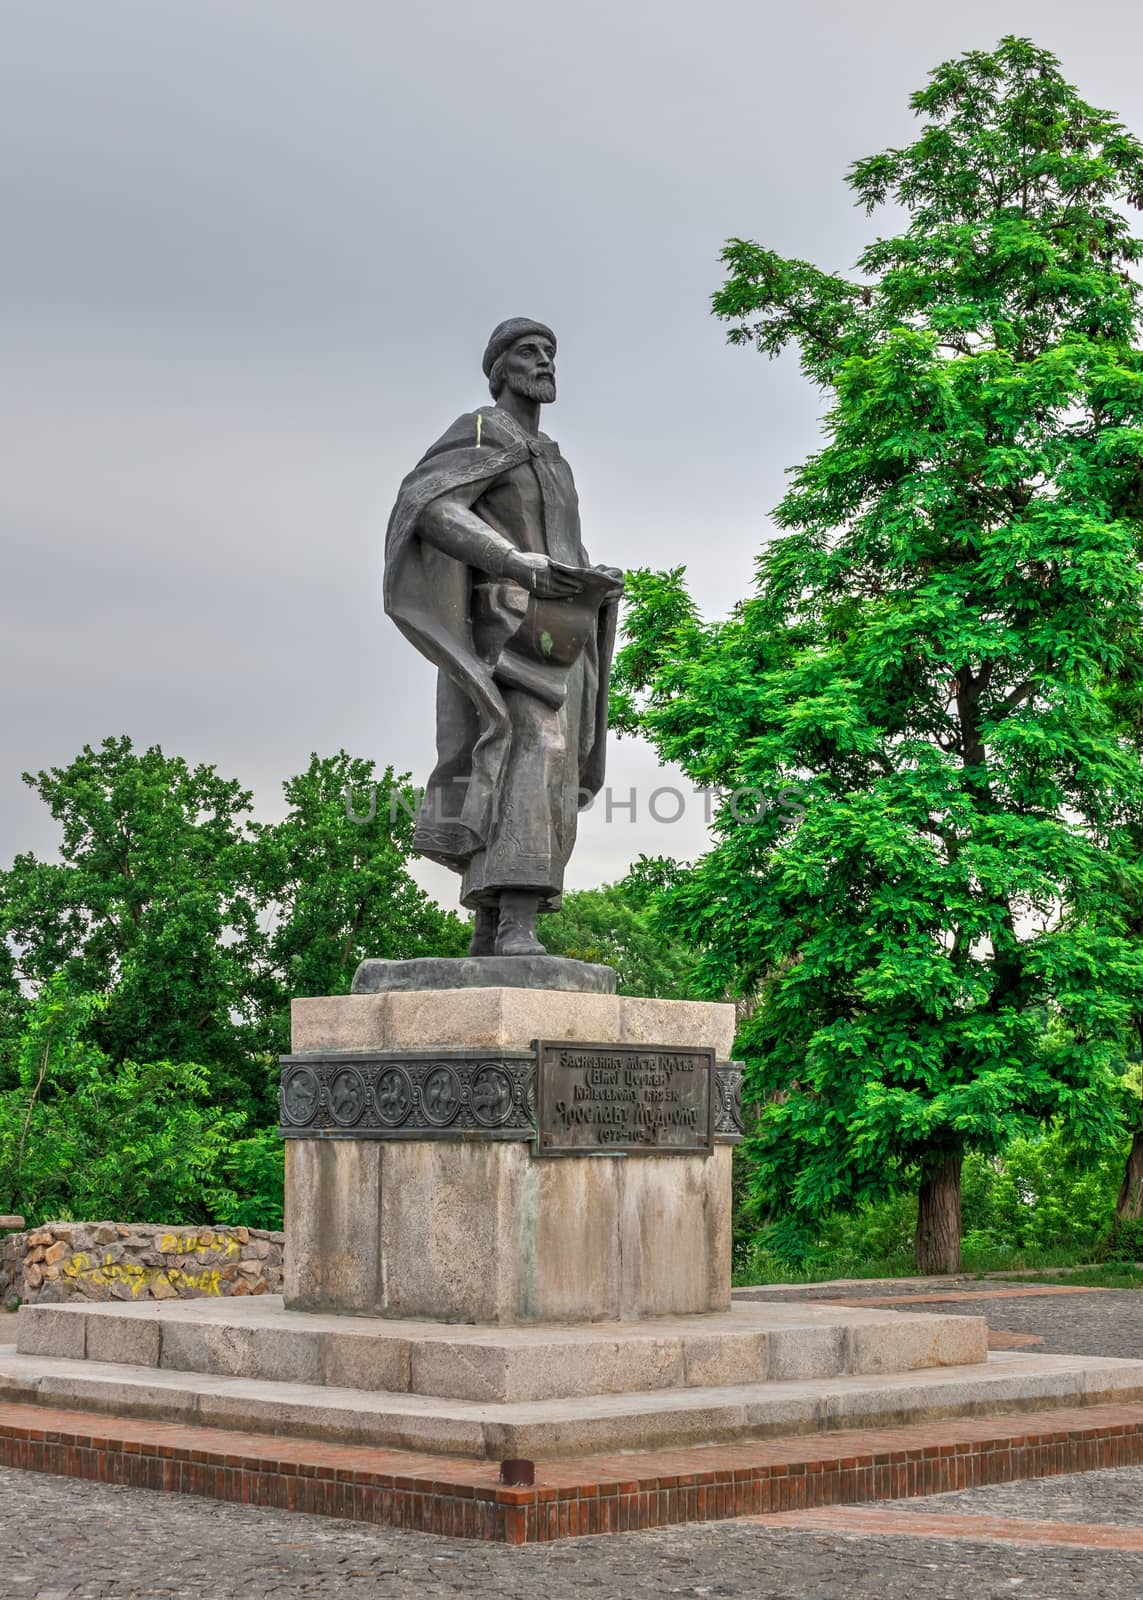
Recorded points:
(1016, 698)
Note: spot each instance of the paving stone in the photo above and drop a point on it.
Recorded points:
(91, 1541)
(1113, 1496)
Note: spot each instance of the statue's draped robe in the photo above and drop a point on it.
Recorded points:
(512, 768)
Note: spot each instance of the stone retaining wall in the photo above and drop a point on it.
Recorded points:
(143, 1261)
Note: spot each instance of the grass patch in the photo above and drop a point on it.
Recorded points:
(1111, 1275)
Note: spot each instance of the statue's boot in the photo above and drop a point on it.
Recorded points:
(516, 933)
(484, 931)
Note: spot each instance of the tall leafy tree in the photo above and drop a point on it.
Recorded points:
(172, 930)
(943, 655)
(1129, 1204)
(195, 924)
(332, 879)
(83, 1136)
(148, 905)
(614, 925)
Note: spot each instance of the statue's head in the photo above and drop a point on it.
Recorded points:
(521, 356)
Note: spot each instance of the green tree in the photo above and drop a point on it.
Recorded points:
(195, 924)
(84, 1136)
(942, 657)
(1129, 1203)
(173, 931)
(149, 905)
(332, 879)
(614, 926)
(250, 1182)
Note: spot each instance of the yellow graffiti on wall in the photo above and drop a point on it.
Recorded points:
(196, 1243)
(139, 1278)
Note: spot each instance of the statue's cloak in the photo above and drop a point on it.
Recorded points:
(427, 594)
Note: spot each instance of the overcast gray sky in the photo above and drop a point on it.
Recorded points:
(252, 252)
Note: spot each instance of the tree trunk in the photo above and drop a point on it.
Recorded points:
(938, 1219)
(1129, 1206)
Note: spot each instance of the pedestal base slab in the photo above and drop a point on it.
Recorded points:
(549, 1429)
(260, 1339)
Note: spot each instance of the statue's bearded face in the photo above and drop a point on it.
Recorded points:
(530, 369)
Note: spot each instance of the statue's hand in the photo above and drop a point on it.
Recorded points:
(537, 575)
(613, 572)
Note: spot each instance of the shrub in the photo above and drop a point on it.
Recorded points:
(1039, 1203)
(1123, 1242)
(83, 1136)
(254, 1169)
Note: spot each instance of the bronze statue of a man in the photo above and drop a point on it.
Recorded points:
(486, 573)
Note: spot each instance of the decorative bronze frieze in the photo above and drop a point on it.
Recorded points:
(467, 1094)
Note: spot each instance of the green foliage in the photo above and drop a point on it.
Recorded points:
(150, 906)
(1112, 1275)
(1041, 1196)
(871, 1241)
(84, 1136)
(1123, 1241)
(197, 925)
(253, 1174)
(334, 873)
(1042, 1202)
(942, 658)
(174, 930)
(611, 926)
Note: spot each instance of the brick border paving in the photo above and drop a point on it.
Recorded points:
(950, 1525)
(594, 1494)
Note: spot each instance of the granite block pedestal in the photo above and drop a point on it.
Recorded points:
(467, 1222)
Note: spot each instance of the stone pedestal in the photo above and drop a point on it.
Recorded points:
(489, 1233)
(450, 1291)
(471, 1225)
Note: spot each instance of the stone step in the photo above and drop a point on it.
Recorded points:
(550, 1429)
(257, 1338)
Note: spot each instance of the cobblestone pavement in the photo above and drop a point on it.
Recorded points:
(86, 1541)
(1111, 1496)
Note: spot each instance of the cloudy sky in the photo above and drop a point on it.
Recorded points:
(252, 252)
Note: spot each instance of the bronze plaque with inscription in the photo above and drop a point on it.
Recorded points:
(625, 1098)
